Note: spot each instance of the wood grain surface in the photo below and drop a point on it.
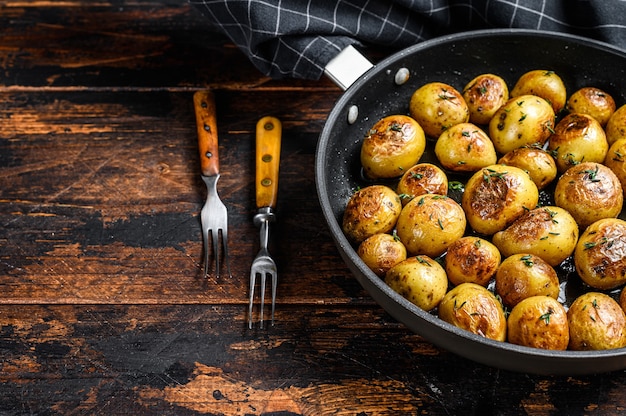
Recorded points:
(103, 306)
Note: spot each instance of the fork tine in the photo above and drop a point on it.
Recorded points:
(215, 238)
(252, 284)
(263, 276)
(274, 282)
(225, 251)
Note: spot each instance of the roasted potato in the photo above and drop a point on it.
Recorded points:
(596, 322)
(616, 161)
(391, 146)
(471, 259)
(521, 276)
(616, 126)
(496, 196)
(543, 83)
(371, 210)
(423, 178)
(548, 232)
(539, 322)
(465, 147)
(381, 252)
(523, 120)
(419, 279)
(594, 102)
(438, 106)
(474, 308)
(589, 191)
(600, 255)
(429, 224)
(578, 138)
(539, 164)
(484, 95)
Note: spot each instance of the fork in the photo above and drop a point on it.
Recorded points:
(214, 216)
(268, 141)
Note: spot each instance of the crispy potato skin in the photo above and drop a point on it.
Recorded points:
(594, 102)
(371, 210)
(600, 255)
(539, 164)
(616, 161)
(543, 83)
(465, 147)
(392, 145)
(596, 322)
(381, 252)
(474, 308)
(590, 192)
(548, 232)
(539, 322)
(471, 259)
(484, 95)
(419, 279)
(496, 196)
(522, 276)
(438, 106)
(421, 179)
(616, 126)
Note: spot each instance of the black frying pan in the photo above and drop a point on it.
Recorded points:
(456, 59)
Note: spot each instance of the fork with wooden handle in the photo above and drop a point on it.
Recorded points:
(268, 141)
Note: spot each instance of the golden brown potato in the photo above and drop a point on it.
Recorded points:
(419, 279)
(423, 178)
(543, 83)
(496, 196)
(438, 106)
(484, 95)
(616, 161)
(521, 276)
(471, 259)
(539, 164)
(429, 224)
(539, 322)
(474, 308)
(548, 232)
(578, 138)
(371, 210)
(594, 102)
(465, 147)
(596, 322)
(622, 299)
(381, 252)
(589, 191)
(522, 121)
(600, 255)
(392, 145)
(616, 126)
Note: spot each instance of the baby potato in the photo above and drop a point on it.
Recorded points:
(596, 322)
(429, 223)
(419, 279)
(371, 210)
(589, 191)
(539, 164)
(578, 138)
(392, 145)
(545, 84)
(381, 252)
(522, 276)
(523, 120)
(539, 322)
(484, 95)
(616, 126)
(548, 232)
(438, 106)
(464, 147)
(622, 299)
(594, 102)
(471, 259)
(474, 308)
(420, 179)
(616, 161)
(496, 196)
(600, 255)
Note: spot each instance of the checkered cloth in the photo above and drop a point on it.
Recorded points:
(296, 38)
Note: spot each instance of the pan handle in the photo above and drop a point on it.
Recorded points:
(348, 66)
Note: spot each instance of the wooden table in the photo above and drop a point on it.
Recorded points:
(104, 308)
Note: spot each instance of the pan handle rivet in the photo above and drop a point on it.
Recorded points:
(353, 113)
(402, 76)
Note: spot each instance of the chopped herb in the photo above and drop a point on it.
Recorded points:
(456, 185)
(417, 175)
(527, 260)
(592, 174)
(440, 223)
(422, 260)
(546, 317)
